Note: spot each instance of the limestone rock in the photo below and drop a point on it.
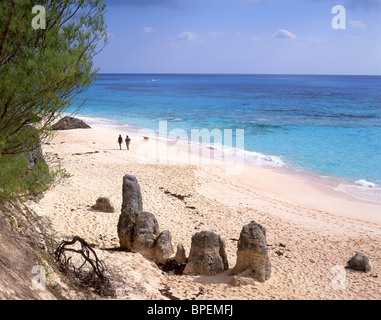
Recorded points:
(180, 256)
(34, 157)
(138, 230)
(34, 154)
(207, 254)
(126, 225)
(163, 247)
(103, 204)
(132, 197)
(132, 203)
(145, 231)
(252, 253)
(241, 281)
(235, 281)
(69, 123)
(359, 262)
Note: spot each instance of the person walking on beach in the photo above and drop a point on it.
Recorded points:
(120, 140)
(128, 140)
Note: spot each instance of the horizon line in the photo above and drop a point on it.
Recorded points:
(248, 74)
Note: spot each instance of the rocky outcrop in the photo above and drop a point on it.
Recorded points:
(359, 262)
(138, 230)
(207, 255)
(69, 123)
(34, 154)
(252, 254)
(104, 205)
(34, 157)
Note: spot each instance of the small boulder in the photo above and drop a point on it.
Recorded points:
(69, 123)
(252, 253)
(241, 281)
(359, 262)
(163, 247)
(103, 204)
(235, 281)
(207, 255)
(180, 256)
(145, 231)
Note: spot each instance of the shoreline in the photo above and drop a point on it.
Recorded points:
(309, 231)
(341, 186)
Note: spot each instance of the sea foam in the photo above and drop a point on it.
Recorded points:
(361, 189)
(365, 183)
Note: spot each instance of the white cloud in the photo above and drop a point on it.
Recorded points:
(356, 24)
(189, 36)
(149, 30)
(284, 34)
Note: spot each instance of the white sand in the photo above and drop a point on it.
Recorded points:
(320, 228)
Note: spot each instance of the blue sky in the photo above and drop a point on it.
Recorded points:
(241, 36)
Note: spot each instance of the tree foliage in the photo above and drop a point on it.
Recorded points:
(42, 71)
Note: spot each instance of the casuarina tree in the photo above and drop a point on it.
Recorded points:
(43, 68)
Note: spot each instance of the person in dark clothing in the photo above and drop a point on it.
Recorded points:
(128, 140)
(120, 140)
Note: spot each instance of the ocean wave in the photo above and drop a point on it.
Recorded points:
(250, 157)
(230, 153)
(263, 159)
(367, 184)
(363, 190)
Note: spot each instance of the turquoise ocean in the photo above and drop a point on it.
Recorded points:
(327, 126)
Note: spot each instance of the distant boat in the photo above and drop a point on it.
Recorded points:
(153, 80)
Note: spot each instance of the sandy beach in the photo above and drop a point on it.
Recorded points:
(312, 231)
